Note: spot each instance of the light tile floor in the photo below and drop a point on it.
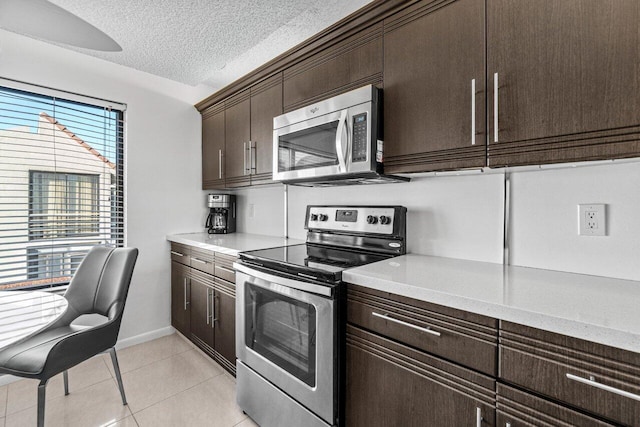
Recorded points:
(168, 382)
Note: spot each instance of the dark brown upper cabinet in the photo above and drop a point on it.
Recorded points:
(568, 86)
(237, 139)
(213, 147)
(348, 64)
(434, 87)
(266, 103)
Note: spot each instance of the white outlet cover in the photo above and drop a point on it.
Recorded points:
(592, 219)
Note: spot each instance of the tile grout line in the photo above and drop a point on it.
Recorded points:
(177, 393)
(48, 402)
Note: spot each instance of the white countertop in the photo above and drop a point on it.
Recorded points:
(593, 308)
(231, 244)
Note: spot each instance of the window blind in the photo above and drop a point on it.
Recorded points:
(61, 183)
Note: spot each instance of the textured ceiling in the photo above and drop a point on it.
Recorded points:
(205, 42)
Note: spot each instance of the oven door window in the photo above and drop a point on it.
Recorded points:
(308, 148)
(283, 330)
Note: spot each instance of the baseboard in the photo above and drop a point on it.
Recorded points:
(147, 336)
(121, 344)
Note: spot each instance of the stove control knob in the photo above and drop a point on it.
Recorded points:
(313, 217)
(372, 219)
(323, 217)
(385, 220)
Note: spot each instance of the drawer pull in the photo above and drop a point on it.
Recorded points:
(592, 382)
(199, 260)
(176, 253)
(226, 269)
(478, 417)
(401, 322)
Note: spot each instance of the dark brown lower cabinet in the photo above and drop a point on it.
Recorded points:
(391, 384)
(203, 305)
(593, 378)
(180, 297)
(224, 323)
(201, 320)
(520, 409)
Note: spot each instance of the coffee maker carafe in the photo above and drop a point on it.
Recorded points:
(222, 213)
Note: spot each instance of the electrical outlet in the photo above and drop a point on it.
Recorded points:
(592, 220)
(252, 210)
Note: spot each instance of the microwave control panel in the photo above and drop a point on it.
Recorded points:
(359, 138)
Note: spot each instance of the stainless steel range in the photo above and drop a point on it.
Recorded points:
(290, 314)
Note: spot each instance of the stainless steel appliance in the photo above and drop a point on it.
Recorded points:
(290, 313)
(222, 213)
(333, 142)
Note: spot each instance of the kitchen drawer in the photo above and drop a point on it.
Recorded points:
(595, 378)
(202, 259)
(180, 253)
(391, 384)
(517, 408)
(465, 338)
(224, 267)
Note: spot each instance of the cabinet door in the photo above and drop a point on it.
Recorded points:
(266, 103)
(568, 81)
(349, 64)
(237, 136)
(180, 298)
(391, 385)
(434, 87)
(201, 312)
(516, 408)
(225, 324)
(213, 147)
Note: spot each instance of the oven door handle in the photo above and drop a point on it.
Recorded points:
(295, 284)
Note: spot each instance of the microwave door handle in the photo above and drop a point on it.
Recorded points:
(341, 142)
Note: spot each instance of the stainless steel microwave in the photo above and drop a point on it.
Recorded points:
(335, 141)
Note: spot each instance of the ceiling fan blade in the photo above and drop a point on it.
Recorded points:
(44, 20)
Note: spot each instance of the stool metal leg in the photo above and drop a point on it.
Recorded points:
(65, 376)
(116, 368)
(41, 398)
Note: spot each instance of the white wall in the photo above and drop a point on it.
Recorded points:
(162, 159)
(462, 216)
(545, 220)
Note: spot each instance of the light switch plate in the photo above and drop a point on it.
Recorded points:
(592, 219)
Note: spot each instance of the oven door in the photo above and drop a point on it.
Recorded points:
(324, 146)
(288, 336)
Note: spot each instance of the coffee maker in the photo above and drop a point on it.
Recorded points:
(222, 213)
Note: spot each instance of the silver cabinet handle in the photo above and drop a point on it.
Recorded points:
(244, 156)
(507, 425)
(478, 417)
(473, 111)
(213, 309)
(185, 294)
(208, 310)
(225, 269)
(592, 382)
(220, 164)
(253, 159)
(199, 260)
(401, 322)
(495, 107)
(177, 253)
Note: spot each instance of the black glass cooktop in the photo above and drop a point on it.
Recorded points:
(310, 261)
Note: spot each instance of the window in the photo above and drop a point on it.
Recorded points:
(62, 205)
(61, 182)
